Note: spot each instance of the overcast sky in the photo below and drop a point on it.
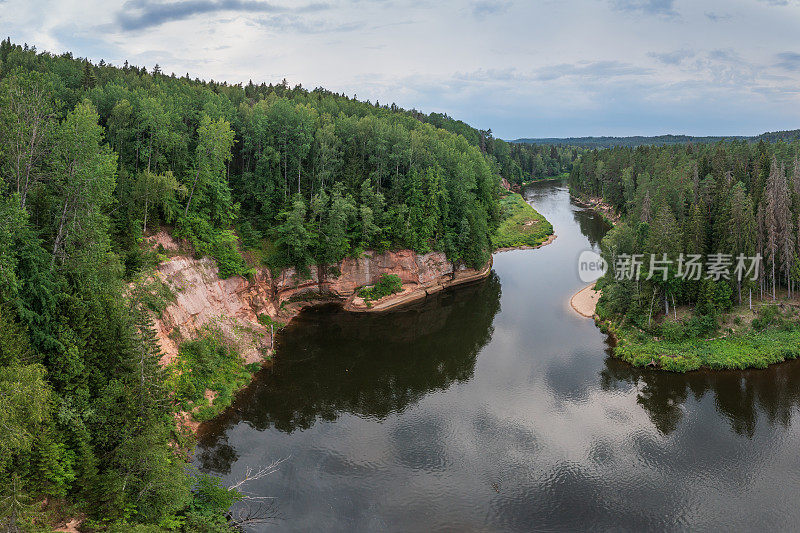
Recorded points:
(548, 68)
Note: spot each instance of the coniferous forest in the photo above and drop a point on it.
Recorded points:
(94, 157)
(717, 201)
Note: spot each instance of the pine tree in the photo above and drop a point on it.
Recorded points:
(741, 230)
(780, 239)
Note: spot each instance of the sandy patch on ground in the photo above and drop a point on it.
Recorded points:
(584, 301)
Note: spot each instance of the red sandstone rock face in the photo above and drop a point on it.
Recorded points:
(203, 299)
(233, 305)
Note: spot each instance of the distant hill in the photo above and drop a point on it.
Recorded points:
(658, 140)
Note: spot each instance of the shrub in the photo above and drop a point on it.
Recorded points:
(673, 331)
(769, 316)
(208, 363)
(386, 285)
(221, 244)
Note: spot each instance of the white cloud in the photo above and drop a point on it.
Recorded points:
(572, 67)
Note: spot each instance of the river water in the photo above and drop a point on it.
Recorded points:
(495, 407)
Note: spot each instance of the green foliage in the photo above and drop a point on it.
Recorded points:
(208, 363)
(153, 294)
(26, 404)
(210, 502)
(266, 320)
(737, 198)
(387, 284)
(749, 350)
(772, 317)
(104, 155)
(84, 412)
(220, 244)
(520, 225)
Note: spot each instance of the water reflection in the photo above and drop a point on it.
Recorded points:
(740, 396)
(370, 365)
(592, 225)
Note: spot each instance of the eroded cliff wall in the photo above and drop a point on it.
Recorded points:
(233, 305)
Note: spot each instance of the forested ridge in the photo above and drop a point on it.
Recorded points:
(656, 140)
(731, 198)
(94, 158)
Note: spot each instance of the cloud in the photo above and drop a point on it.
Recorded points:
(142, 14)
(596, 70)
(481, 8)
(726, 56)
(672, 58)
(665, 8)
(297, 24)
(593, 71)
(716, 17)
(788, 61)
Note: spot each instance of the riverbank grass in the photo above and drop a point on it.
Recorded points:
(772, 337)
(521, 225)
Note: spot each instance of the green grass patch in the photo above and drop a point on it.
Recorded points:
(266, 320)
(386, 285)
(751, 349)
(521, 224)
(208, 363)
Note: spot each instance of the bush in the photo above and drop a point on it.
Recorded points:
(673, 331)
(770, 316)
(251, 237)
(701, 325)
(221, 244)
(386, 285)
(208, 363)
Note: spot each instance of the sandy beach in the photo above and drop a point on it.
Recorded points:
(584, 301)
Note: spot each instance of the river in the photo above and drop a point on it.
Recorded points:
(495, 407)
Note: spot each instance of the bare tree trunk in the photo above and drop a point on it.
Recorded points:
(144, 226)
(650, 316)
(59, 234)
(194, 184)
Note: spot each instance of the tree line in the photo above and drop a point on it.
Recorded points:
(735, 198)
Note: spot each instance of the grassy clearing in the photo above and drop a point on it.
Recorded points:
(774, 338)
(521, 224)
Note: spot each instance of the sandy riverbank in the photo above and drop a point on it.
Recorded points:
(584, 301)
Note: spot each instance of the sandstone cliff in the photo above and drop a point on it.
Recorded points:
(234, 304)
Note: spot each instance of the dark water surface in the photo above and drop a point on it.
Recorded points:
(495, 407)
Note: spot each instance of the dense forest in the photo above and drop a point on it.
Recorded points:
(96, 157)
(657, 140)
(731, 198)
